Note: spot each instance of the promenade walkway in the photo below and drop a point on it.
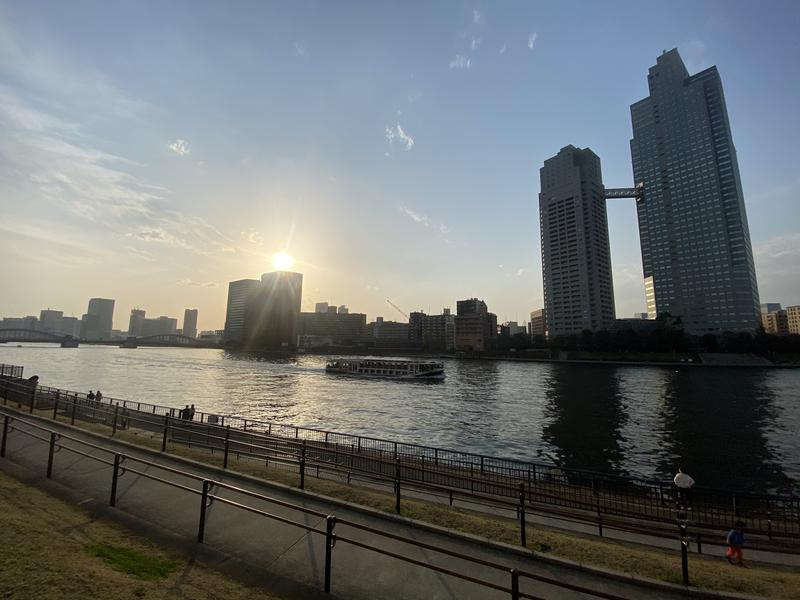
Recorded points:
(288, 551)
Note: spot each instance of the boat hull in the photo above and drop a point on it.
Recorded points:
(429, 376)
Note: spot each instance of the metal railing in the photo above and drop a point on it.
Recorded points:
(11, 370)
(603, 497)
(207, 490)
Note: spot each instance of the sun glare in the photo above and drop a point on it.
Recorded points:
(282, 261)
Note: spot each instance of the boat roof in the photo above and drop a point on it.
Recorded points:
(383, 359)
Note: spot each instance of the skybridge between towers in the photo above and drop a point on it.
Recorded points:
(619, 193)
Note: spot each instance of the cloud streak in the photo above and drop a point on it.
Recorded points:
(180, 147)
(461, 62)
(398, 134)
(532, 40)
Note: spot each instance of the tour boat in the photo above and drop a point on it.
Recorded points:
(387, 368)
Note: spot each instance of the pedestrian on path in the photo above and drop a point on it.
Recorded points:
(184, 413)
(98, 396)
(684, 482)
(191, 413)
(90, 395)
(735, 542)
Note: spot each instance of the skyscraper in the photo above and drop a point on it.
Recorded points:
(190, 322)
(239, 293)
(696, 252)
(273, 311)
(475, 326)
(97, 323)
(576, 260)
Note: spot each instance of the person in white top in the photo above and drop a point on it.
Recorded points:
(684, 482)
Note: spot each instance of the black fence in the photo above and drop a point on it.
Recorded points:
(209, 490)
(10, 370)
(573, 492)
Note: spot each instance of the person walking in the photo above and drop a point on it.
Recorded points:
(684, 482)
(185, 412)
(191, 413)
(98, 396)
(735, 542)
(90, 395)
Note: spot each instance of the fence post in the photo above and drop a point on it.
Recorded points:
(114, 426)
(330, 523)
(227, 445)
(201, 528)
(166, 429)
(397, 487)
(684, 540)
(523, 535)
(50, 455)
(33, 398)
(5, 435)
(599, 515)
(74, 409)
(699, 544)
(769, 519)
(514, 584)
(115, 474)
(303, 466)
(55, 408)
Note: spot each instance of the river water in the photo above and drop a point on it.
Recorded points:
(731, 428)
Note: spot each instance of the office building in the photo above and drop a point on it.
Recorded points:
(97, 323)
(159, 326)
(30, 323)
(475, 326)
(239, 294)
(576, 260)
(793, 319)
(343, 328)
(538, 324)
(50, 320)
(513, 328)
(135, 322)
(696, 253)
(439, 331)
(190, 322)
(388, 333)
(776, 322)
(641, 315)
(321, 307)
(71, 326)
(273, 312)
(770, 307)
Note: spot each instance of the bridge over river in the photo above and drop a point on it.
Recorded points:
(162, 340)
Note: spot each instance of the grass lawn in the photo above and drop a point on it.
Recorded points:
(53, 550)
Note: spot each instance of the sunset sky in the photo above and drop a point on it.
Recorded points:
(151, 152)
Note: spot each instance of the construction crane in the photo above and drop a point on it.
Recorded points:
(397, 308)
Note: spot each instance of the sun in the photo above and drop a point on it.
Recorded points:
(282, 261)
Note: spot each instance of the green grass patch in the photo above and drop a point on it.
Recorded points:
(133, 562)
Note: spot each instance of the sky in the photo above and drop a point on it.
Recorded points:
(152, 152)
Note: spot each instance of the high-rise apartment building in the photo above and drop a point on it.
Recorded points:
(538, 325)
(97, 323)
(776, 322)
(696, 252)
(50, 320)
(273, 312)
(576, 260)
(239, 293)
(793, 319)
(159, 326)
(190, 322)
(135, 322)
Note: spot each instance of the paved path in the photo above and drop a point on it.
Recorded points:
(291, 552)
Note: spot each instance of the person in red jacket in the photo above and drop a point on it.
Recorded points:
(735, 541)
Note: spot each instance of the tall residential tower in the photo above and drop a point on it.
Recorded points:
(576, 260)
(696, 252)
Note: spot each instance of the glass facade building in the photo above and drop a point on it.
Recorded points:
(696, 252)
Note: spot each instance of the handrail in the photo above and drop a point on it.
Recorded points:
(778, 517)
(330, 519)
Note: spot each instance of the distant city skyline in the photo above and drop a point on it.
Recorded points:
(153, 164)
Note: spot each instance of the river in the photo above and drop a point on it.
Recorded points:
(731, 428)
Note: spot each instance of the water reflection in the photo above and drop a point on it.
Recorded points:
(585, 413)
(715, 422)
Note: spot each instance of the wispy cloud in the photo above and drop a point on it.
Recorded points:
(532, 40)
(477, 17)
(520, 272)
(299, 49)
(503, 49)
(192, 283)
(180, 147)
(252, 236)
(475, 43)
(397, 133)
(461, 62)
(414, 216)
